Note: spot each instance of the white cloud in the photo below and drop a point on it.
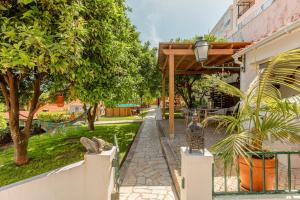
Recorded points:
(151, 30)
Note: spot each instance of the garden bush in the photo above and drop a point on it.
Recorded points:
(54, 116)
(5, 137)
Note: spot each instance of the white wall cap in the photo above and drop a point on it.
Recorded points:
(185, 150)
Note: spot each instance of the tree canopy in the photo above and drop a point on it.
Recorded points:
(89, 49)
(37, 43)
(110, 56)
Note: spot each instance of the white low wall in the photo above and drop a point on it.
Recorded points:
(196, 172)
(91, 179)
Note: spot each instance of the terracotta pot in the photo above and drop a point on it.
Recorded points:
(60, 100)
(257, 174)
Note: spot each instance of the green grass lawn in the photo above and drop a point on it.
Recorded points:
(48, 152)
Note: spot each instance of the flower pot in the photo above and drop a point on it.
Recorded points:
(257, 174)
(60, 100)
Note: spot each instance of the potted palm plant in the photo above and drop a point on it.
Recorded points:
(260, 114)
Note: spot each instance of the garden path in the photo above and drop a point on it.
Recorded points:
(145, 171)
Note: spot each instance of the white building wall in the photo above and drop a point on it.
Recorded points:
(286, 42)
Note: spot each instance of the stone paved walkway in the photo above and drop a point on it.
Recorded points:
(146, 175)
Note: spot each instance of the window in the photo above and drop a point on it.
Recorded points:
(244, 6)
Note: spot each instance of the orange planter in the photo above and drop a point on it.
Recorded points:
(257, 173)
(60, 100)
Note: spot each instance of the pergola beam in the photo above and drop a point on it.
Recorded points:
(190, 52)
(182, 58)
(208, 72)
(165, 64)
(164, 92)
(223, 60)
(191, 64)
(214, 59)
(180, 61)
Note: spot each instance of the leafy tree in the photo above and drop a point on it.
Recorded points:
(108, 57)
(184, 88)
(148, 78)
(37, 44)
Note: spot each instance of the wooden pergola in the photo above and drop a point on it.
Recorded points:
(179, 59)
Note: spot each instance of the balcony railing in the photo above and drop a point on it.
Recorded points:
(227, 180)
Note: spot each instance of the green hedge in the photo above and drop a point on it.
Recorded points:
(177, 115)
(54, 116)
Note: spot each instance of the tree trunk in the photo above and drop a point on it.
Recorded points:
(20, 145)
(9, 84)
(33, 105)
(19, 138)
(91, 125)
(91, 116)
(189, 96)
(186, 93)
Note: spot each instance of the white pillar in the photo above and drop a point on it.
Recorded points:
(196, 172)
(99, 175)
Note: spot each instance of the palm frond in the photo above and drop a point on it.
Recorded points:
(225, 87)
(230, 122)
(232, 146)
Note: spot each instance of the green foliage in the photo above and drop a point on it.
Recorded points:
(109, 56)
(3, 123)
(262, 112)
(36, 36)
(54, 116)
(49, 152)
(88, 48)
(148, 79)
(143, 113)
(41, 42)
(177, 115)
(4, 134)
(207, 37)
(2, 107)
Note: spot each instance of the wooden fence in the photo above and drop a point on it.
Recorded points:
(118, 112)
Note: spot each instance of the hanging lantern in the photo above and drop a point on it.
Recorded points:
(201, 50)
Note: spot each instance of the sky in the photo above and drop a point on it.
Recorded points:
(162, 20)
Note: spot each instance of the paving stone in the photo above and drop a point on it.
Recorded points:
(146, 174)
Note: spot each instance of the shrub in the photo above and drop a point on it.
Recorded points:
(3, 123)
(176, 115)
(53, 116)
(5, 136)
